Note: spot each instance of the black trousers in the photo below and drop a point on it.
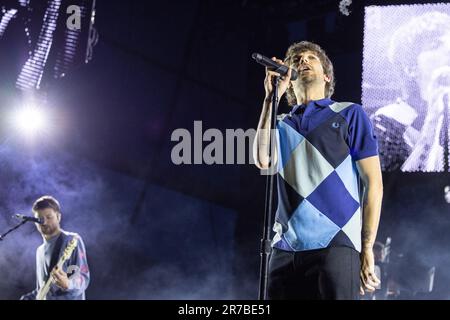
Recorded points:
(323, 274)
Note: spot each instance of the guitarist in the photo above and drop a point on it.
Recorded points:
(71, 281)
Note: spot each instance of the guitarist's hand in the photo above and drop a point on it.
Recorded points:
(60, 278)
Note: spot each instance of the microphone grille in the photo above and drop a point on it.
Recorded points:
(256, 56)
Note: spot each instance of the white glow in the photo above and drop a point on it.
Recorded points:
(447, 193)
(343, 7)
(30, 120)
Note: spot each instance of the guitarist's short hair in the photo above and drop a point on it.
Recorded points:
(47, 202)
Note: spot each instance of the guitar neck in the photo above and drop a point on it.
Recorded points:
(42, 294)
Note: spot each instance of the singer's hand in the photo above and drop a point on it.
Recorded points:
(369, 280)
(283, 84)
(60, 278)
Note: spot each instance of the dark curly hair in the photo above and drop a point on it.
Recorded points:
(299, 47)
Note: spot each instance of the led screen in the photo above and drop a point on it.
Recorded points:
(406, 84)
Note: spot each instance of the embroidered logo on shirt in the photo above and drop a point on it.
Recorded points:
(335, 125)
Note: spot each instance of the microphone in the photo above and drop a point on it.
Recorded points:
(274, 66)
(27, 218)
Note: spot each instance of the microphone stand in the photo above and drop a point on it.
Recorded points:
(265, 241)
(2, 236)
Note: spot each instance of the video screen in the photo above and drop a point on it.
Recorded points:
(406, 84)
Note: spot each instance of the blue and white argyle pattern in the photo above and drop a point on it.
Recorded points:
(318, 182)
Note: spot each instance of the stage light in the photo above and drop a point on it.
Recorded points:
(447, 194)
(30, 120)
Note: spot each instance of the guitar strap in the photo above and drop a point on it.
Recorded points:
(55, 254)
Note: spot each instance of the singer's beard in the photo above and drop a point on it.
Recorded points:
(48, 230)
(306, 78)
(304, 82)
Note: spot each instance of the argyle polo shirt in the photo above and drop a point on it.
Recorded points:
(318, 182)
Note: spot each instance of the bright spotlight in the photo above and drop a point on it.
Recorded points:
(30, 120)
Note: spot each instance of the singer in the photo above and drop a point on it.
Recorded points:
(70, 281)
(321, 249)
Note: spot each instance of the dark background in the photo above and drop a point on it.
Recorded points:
(155, 230)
